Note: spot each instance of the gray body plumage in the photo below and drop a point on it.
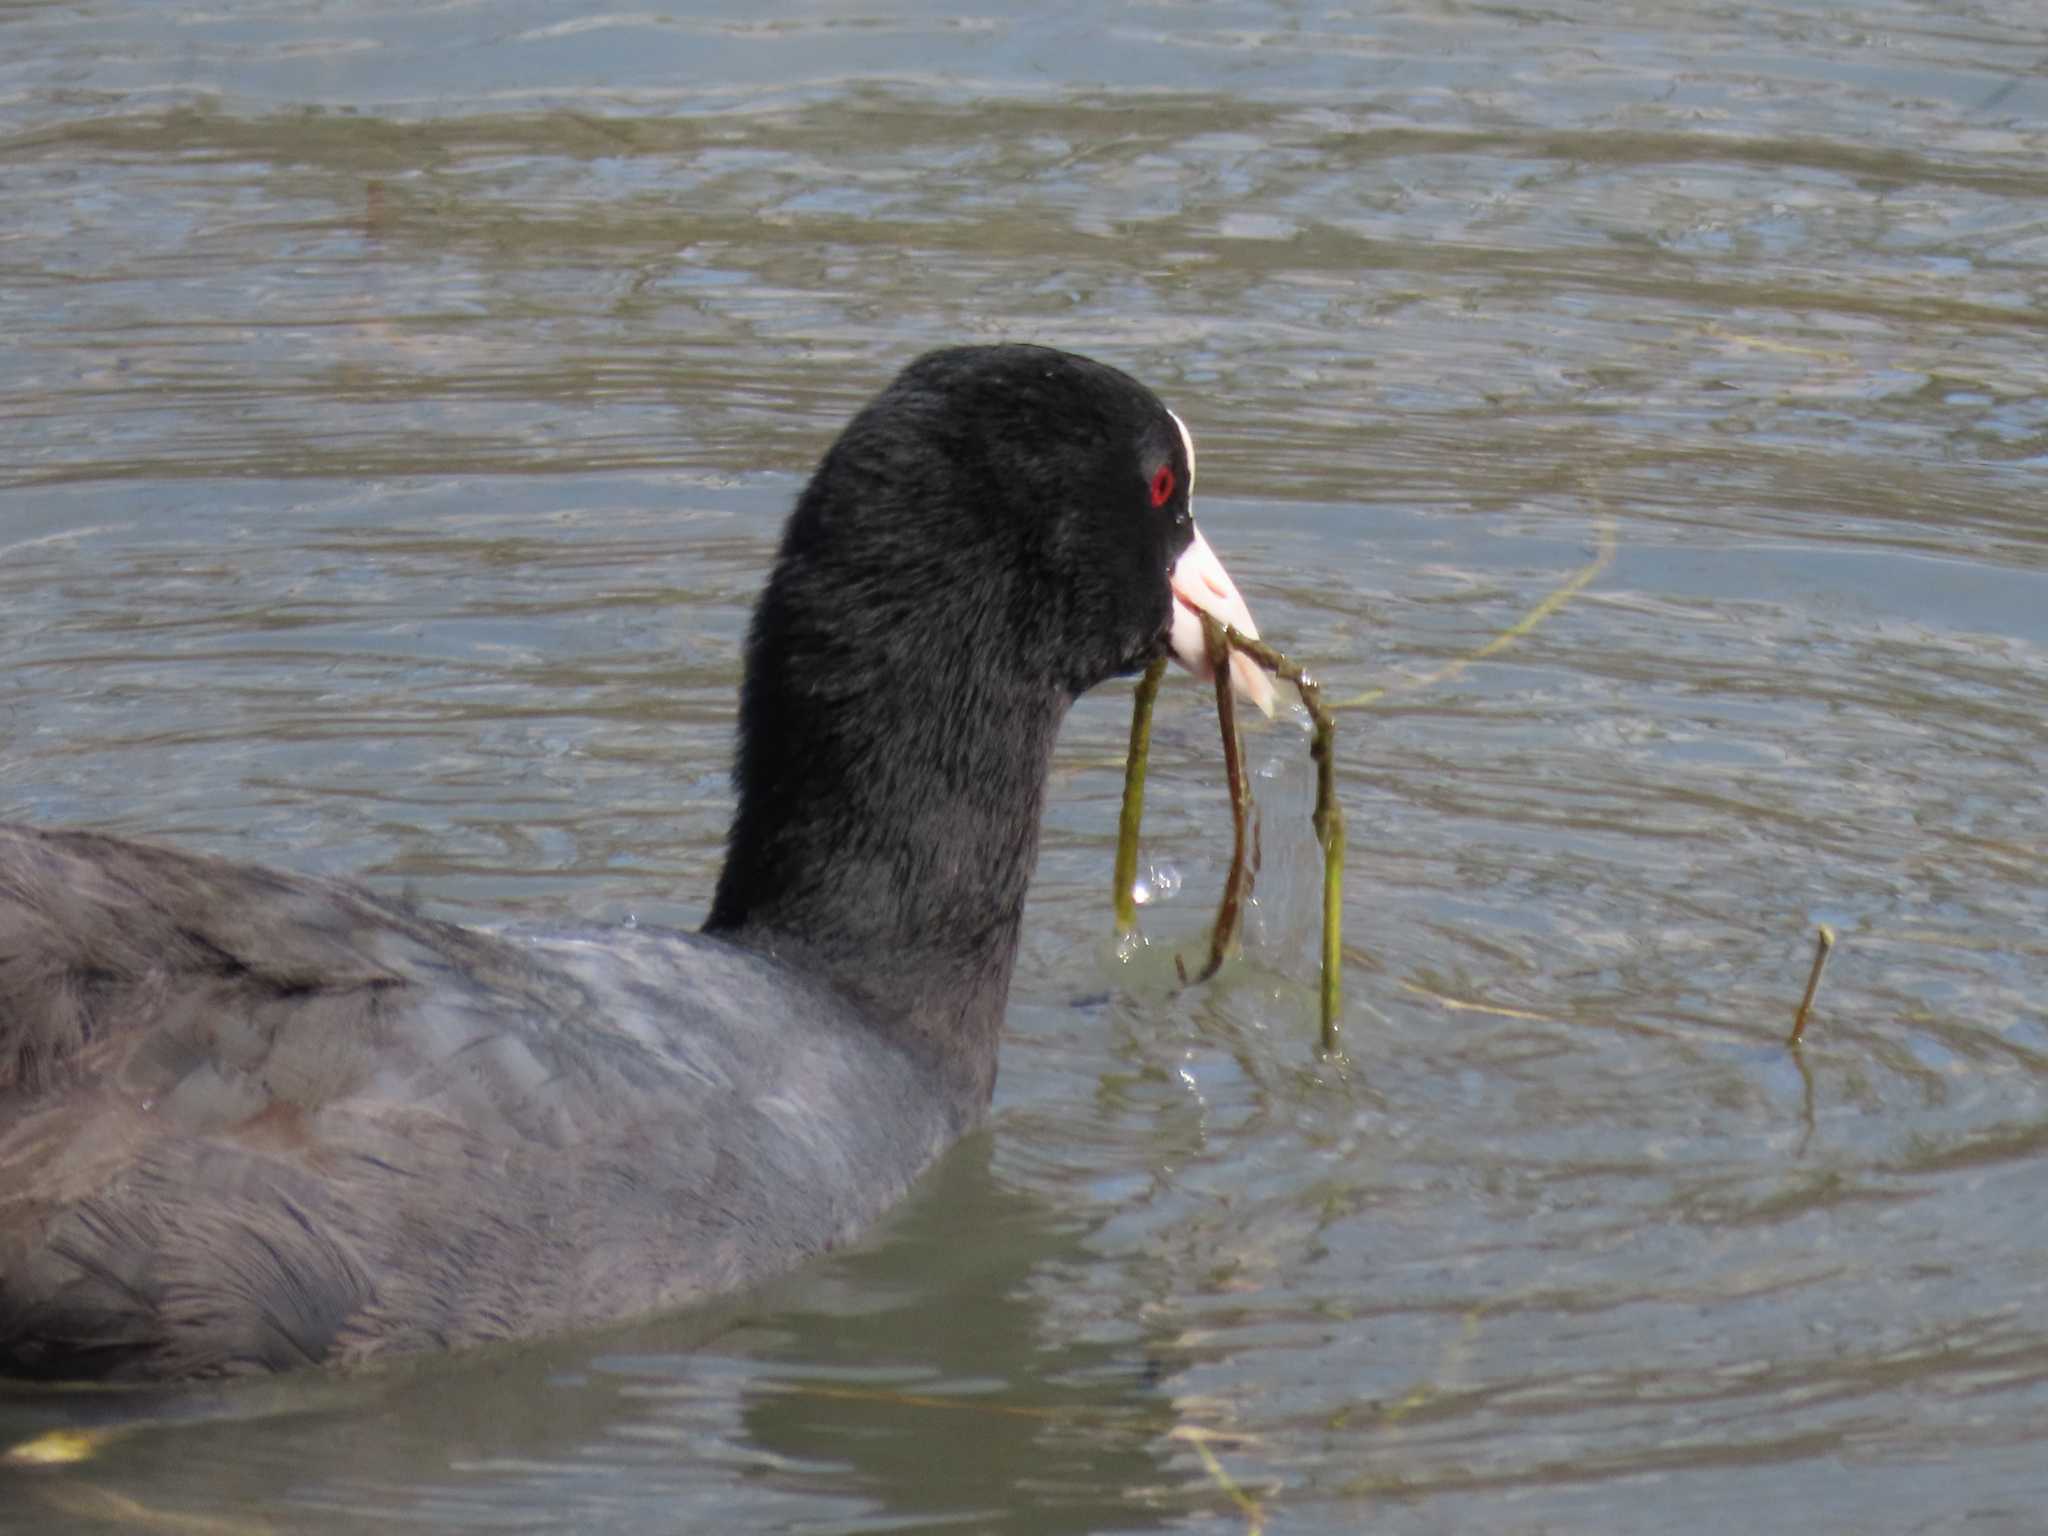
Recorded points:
(276, 1120)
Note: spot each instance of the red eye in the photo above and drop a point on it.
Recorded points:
(1162, 485)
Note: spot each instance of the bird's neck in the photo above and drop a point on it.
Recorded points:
(887, 843)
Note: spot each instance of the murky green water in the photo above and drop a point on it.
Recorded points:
(397, 406)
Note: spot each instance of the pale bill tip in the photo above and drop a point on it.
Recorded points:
(1200, 584)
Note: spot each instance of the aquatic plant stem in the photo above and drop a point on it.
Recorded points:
(1237, 884)
(1603, 556)
(1823, 946)
(1221, 640)
(1135, 763)
(1327, 819)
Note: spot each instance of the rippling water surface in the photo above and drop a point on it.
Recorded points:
(397, 407)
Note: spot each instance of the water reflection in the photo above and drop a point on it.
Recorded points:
(844, 1385)
(974, 1412)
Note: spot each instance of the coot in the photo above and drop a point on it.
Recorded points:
(251, 1120)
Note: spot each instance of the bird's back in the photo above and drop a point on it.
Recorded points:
(250, 1120)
